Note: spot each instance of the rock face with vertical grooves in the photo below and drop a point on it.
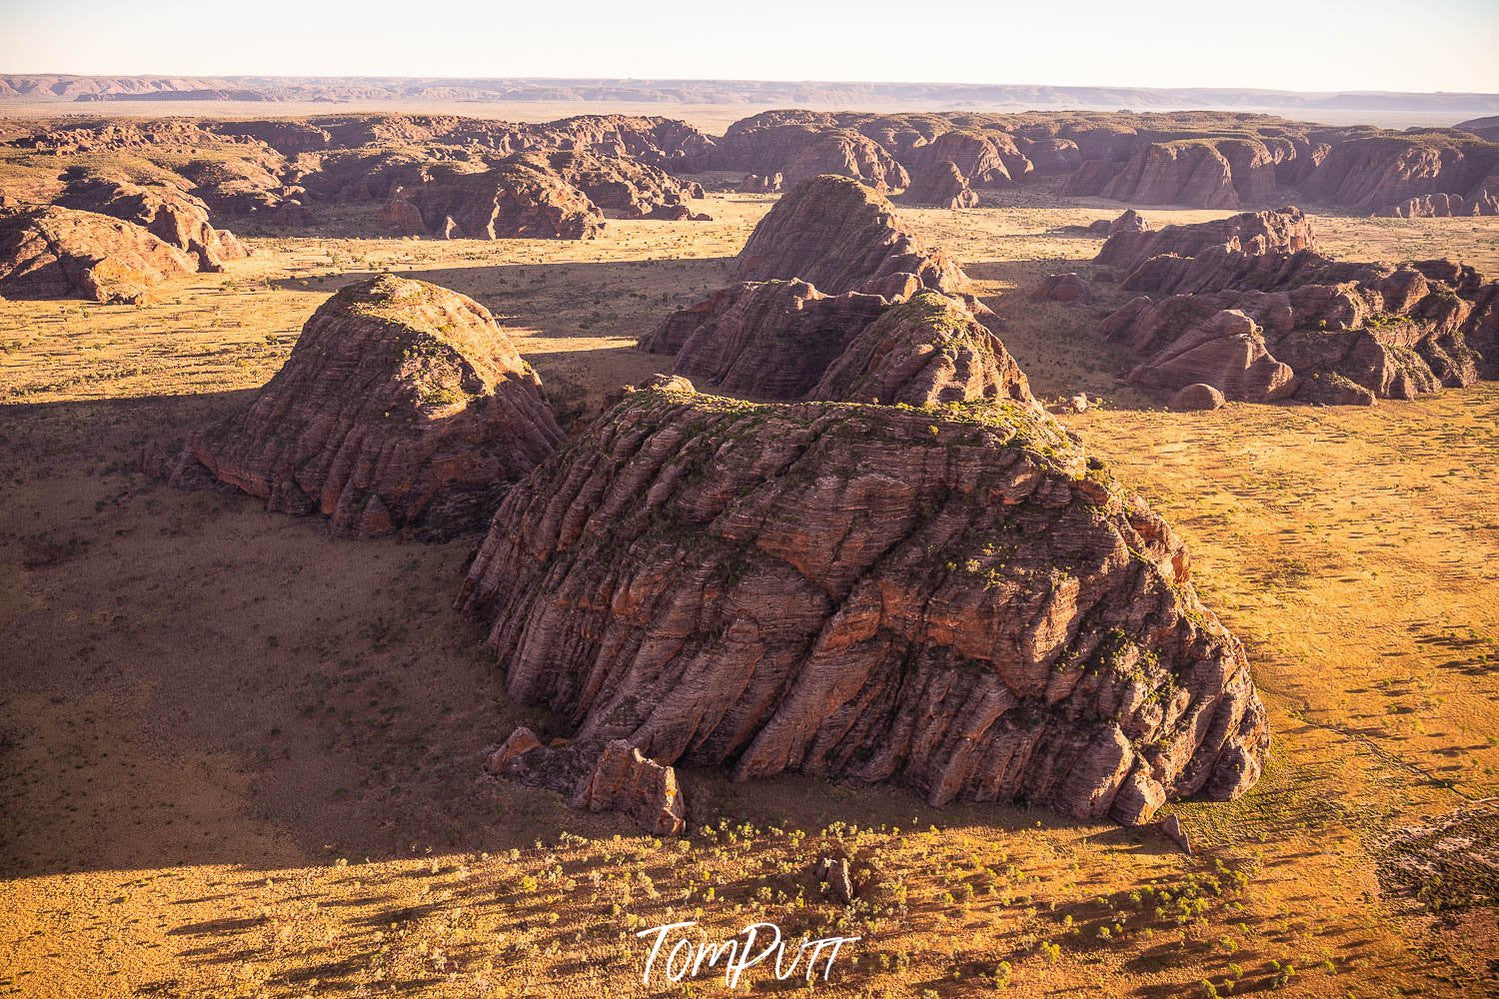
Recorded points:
(403, 408)
(926, 351)
(956, 601)
(63, 253)
(841, 236)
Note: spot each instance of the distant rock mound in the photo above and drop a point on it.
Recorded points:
(64, 253)
(1249, 235)
(1068, 287)
(1248, 306)
(403, 408)
(964, 605)
(174, 217)
(942, 186)
(841, 236)
(512, 200)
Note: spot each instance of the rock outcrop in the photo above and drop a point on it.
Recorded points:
(841, 236)
(1197, 397)
(63, 253)
(625, 781)
(403, 408)
(1068, 287)
(172, 216)
(512, 200)
(927, 351)
(961, 603)
(1269, 234)
(942, 186)
(1248, 306)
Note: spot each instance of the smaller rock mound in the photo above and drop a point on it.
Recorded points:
(514, 200)
(1249, 234)
(1069, 287)
(174, 217)
(943, 186)
(841, 236)
(927, 351)
(63, 253)
(1227, 351)
(625, 781)
(761, 184)
(402, 408)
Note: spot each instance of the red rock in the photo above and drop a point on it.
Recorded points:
(518, 744)
(841, 236)
(942, 186)
(817, 587)
(402, 408)
(756, 184)
(1375, 172)
(625, 781)
(1249, 235)
(174, 217)
(927, 351)
(512, 200)
(62, 253)
(1227, 352)
(1069, 287)
(1197, 397)
(1191, 173)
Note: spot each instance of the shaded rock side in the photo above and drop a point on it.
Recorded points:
(962, 604)
(942, 186)
(927, 351)
(764, 339)
(63, 253)
(402, 408)
(174, 217)
(841, 236)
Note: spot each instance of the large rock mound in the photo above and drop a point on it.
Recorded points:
(172, 216)
(962, 604)
(63, 253)
(841, 236)
(402, 408)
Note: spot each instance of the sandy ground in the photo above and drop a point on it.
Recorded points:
(239, 757)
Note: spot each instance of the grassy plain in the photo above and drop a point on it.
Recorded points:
(239, 757)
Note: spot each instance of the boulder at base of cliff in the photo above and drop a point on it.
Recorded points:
(958, 601)
(403, 408)
(1197, 397)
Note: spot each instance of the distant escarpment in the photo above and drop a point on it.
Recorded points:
(403, 408)
(1248, 306)
(957, 601)
(839, 302)
(64, 253)
(1191, 159)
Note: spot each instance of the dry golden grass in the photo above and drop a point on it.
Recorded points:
(238, 757)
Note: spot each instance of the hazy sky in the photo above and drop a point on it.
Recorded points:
(1416, 45)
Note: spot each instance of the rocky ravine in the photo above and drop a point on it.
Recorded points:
(402, 408)
(957, 601)
(1247, 305)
